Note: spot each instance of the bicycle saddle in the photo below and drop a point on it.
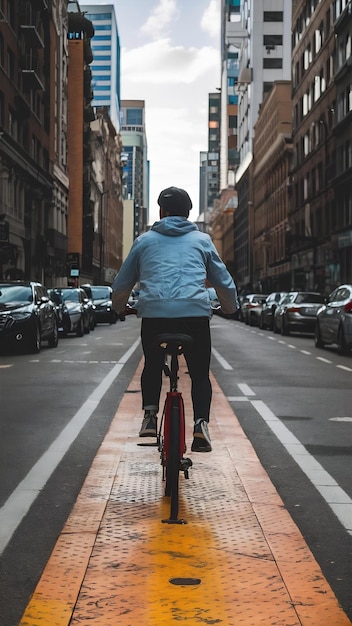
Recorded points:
(173, 343)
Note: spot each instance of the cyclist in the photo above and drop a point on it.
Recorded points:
(172, 262)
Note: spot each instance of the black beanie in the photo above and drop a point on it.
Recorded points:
(175, 201)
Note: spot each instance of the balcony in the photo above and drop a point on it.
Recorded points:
(235, 33)
(31, 73)
(32, 36)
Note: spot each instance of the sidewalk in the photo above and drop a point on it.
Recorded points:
(239, 561)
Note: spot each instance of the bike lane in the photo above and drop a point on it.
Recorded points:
(239, 559)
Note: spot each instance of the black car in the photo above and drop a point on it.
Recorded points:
(269, 307)
(76, 301)
(62, 314)
(27, 316)
(102, 298)
(90, 305)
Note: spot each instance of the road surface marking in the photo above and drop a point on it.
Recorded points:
(22, 498)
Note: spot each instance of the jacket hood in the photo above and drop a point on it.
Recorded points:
(174, 226)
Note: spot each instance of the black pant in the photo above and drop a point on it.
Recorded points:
(197, 358)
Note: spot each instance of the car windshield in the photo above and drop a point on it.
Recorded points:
(55, 297)
(98, 293)
(15, 293)
(69, 295)
(315, 298)
(259, 299)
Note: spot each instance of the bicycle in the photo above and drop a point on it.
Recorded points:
(171, 437)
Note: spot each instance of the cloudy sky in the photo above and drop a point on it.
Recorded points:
(170, 57)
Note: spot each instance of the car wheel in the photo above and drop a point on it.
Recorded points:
(80, 328)
(262, 324)
(317, 337)
(113, 318)
(342, 347)
(54, 338)
(284, 327)
(34, 342)
(92, 323)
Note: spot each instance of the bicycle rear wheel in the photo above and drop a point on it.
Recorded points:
(173, 448)
(174, 439)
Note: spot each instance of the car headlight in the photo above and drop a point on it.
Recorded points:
(21, 315)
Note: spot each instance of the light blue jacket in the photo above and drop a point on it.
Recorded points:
(171, 263)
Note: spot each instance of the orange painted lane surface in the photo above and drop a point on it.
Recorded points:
(239, 559)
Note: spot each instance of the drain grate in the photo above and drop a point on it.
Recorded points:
(185, 581)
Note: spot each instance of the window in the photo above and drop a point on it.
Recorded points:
(134, 117)
(267, 86)
(307, 57)
(10, 64)
(319, 38)
(273, 16)
(272, 63)
(272, 40)
(1, 108)
(2, 58)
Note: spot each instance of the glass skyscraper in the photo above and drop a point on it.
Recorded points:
(106, 58)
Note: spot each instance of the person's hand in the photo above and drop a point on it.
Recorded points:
(130, 310)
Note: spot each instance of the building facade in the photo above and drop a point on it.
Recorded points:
(264, 36)
(33, 133)
(272, 156)
(338, 266)
(312, 214)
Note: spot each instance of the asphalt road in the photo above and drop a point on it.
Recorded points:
(293, 401)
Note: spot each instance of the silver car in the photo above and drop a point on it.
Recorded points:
(297, 312)
(334, 320)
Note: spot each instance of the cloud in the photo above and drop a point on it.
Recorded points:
(162, 15)
(160, 63)
(174, 81)
(211, 20)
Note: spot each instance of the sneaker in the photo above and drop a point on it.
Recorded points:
(148, 428)
(201, 438)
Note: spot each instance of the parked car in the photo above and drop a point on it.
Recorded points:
(297, 312)
(334, 320)
(102, 298)
(27, 316)
(62, 314)
(90, 305)
(266, 318)
(251, 308)
(76, 302)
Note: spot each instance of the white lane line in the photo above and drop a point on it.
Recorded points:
(344, 367)
(338, 500)
(246, 390)
(305, 352)
(221, 360)
(320, 358)
(22, 498)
